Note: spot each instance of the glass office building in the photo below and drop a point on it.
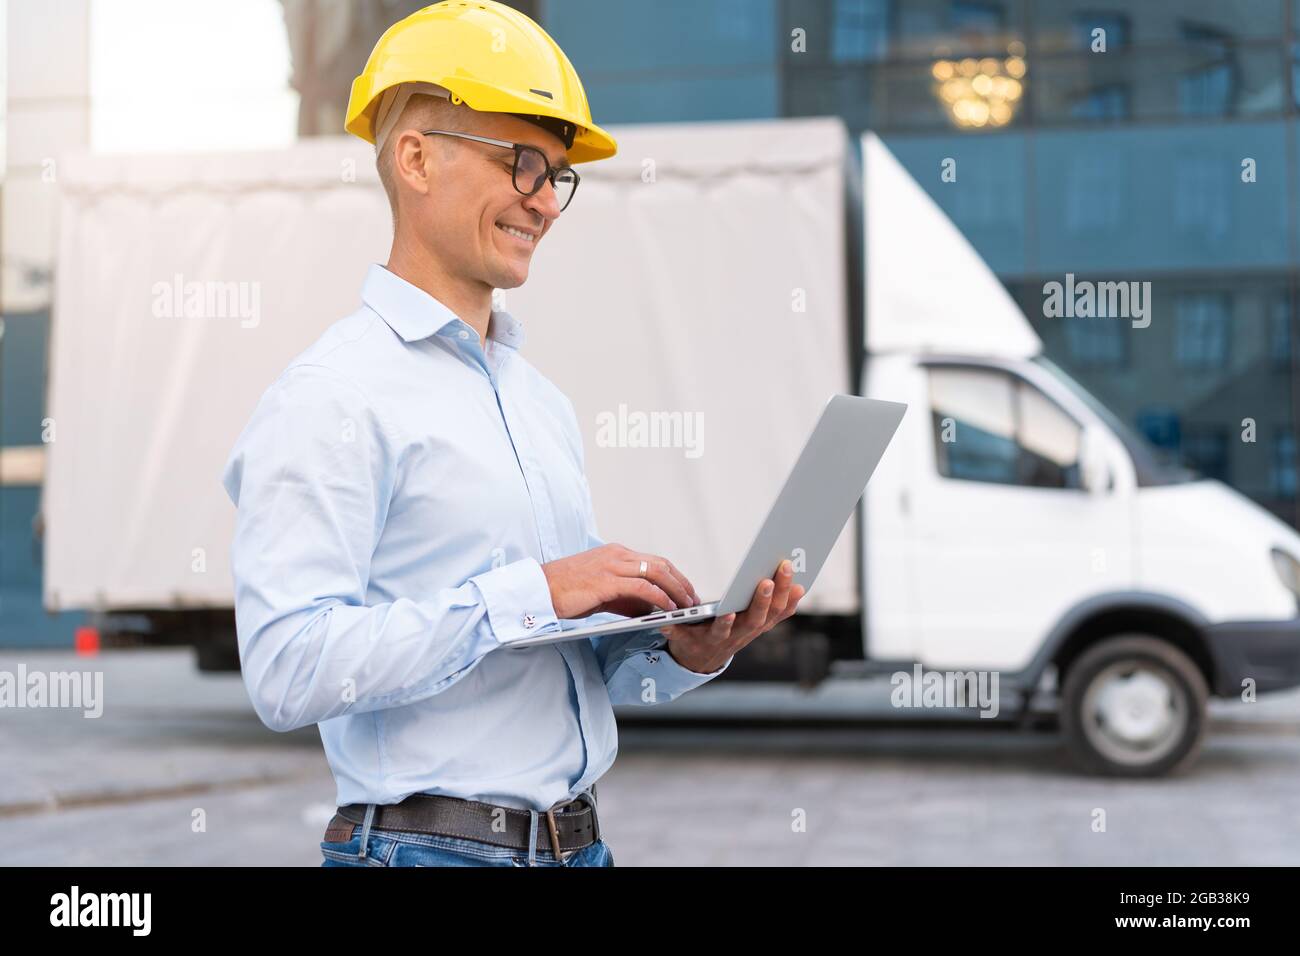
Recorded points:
(1151, 141)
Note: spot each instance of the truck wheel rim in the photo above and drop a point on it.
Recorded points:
(1134, 714)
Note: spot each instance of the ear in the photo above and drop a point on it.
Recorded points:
(411, 166)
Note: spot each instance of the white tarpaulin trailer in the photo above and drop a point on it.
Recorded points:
(694, 294)
(694, 304)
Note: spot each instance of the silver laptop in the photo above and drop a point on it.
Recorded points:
(810, 512)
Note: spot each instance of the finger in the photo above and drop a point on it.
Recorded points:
(756, 614)
(781, 596)
(716, 630)
(690, 588)
(796, 595)
(672, 580)
(722, 627)
(740, 639)
(644, 590)
(657, 572)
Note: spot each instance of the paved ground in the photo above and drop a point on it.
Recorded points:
(173, 744)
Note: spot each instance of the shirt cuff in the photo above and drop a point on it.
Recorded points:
(518, 600)
(657, 662)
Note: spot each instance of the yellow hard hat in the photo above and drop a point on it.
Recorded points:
(492, 58)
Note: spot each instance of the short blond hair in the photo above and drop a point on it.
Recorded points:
(422, 111)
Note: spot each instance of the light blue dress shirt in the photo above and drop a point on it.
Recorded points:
(398, 488)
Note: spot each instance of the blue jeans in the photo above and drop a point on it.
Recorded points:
(399, 848)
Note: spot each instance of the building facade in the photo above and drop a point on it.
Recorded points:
(1151, 142)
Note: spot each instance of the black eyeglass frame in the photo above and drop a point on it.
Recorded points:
(519, 149)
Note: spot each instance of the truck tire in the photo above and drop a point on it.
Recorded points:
(1133, 706)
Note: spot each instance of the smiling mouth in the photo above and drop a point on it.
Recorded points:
(517, 233)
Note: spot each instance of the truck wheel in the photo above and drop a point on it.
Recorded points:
(1133, 706)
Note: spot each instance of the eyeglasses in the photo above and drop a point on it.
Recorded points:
(531, 167)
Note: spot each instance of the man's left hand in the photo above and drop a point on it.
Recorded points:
(706, 646)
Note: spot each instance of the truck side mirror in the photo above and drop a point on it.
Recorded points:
(1094, 461)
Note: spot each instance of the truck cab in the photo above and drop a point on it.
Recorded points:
(1020, 527)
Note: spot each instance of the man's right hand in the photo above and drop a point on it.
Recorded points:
(609, 578)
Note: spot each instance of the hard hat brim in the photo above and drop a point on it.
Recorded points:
(590, 142)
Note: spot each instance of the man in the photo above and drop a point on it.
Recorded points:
(411, 493)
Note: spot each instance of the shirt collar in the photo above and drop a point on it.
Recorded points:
(414, 314)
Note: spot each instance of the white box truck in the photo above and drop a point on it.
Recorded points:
(711, 286)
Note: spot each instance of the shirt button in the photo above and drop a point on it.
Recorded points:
(652, 658)
(463, 333)
(530, 622)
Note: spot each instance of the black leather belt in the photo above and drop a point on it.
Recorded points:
(566, 826)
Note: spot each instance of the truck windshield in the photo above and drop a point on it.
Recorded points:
(1154, 466)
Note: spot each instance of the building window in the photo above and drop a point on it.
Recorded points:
(1093, 201)
(1284, 464)
(1162, 427)
(1205, 448)
(1115, 24)
(1102, 103)
(1095, 343)
(1208, 89)
(974, 18)
(1295, 72)
(1279, 339)
(860, 30)
(1201, 336)
(1202, 203)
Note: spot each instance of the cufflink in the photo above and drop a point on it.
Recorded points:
(530, 622)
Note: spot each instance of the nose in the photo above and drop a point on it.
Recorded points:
(544, 202)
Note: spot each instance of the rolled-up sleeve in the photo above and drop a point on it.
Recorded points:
(312, 476)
